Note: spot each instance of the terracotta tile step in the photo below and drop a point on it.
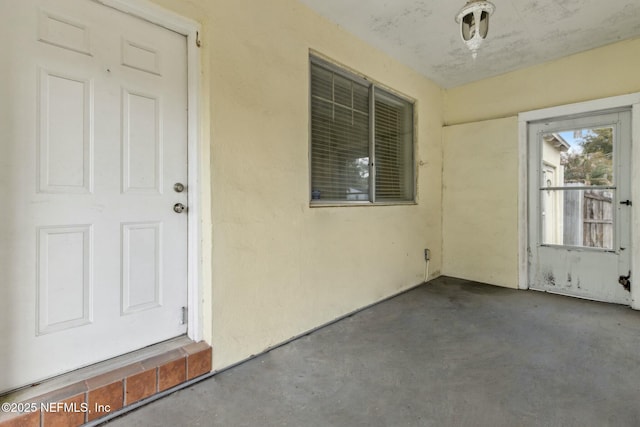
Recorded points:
(99, 395)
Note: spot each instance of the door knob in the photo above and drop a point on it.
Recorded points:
(179, 208)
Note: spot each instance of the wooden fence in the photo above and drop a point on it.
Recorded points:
(588, 218)
(597, 219)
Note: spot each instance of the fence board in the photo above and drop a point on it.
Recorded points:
(598, 219)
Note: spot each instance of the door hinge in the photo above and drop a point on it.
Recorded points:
(625, 282)
(626, 202)
(185, 316)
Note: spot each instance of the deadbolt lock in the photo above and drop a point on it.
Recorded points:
(178, 187)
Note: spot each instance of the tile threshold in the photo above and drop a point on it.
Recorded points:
(97, 390)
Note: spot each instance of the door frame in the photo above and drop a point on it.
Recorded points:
(524, 118)
(196, 160)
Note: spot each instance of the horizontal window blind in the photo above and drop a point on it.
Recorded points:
(343, 144)
(339, 137)
(393, 148)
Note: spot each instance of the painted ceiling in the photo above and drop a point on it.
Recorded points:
(423, 34)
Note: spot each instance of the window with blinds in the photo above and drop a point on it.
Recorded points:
(361, 140)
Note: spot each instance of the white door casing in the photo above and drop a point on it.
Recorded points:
(94, 131)
(562, 263)
(632, 101)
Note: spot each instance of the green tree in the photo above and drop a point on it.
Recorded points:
(598, 141)
(594, 164)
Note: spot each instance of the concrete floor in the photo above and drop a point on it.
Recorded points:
(448, 353)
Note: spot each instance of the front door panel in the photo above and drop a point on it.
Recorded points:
(94, 137)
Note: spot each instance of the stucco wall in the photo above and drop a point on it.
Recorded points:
(279, 267)
(480, 222)
(598, 73)
(480, 146)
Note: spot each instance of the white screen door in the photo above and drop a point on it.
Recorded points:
(579, 208)
(93, 124)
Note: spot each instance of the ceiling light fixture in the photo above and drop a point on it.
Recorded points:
(474, 23)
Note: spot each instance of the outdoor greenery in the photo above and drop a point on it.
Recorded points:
(593, 164)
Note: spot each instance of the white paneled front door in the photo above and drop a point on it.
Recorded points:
(93, 139)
